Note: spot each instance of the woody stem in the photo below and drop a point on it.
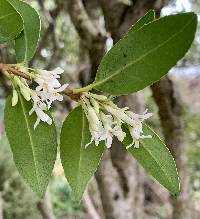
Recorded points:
(11, 69)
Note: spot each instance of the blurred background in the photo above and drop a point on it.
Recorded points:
(75, 36)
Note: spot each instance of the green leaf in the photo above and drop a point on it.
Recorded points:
(26, 43)
(147, 18)
(34, 151)
(11, 23)
(145, 55)
(79, 163)
(156, 159)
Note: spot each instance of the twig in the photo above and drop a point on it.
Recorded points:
(11, 69)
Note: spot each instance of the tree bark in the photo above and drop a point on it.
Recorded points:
(89, 28)
(170, 109)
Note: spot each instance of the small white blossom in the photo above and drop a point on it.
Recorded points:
(39, 107)
(48, 79)
(111, 129)
(49, 88)
(106, 119)
(95, 125)
(47, 91)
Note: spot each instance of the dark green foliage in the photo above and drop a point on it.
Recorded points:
(79, 163)
(34, 151)
(26, 43)
(156, 159)
(11, 23)
(145, 55)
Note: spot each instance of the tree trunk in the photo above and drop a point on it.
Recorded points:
(169, 106)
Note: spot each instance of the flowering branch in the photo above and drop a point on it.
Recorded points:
(12, 69)
(104, 117)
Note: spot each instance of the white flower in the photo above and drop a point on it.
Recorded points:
(106, 119)
(111, 129)
(47, 79)
(95, 125)
(47, 91)
(120, 114)
(118, 132)
(49, 88)
(136, 134)
(52, 95)
(142, 117)
(39, 107)
(96, 136)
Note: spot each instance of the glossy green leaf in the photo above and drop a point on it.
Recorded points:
(156, 159)
(147, 18)
(11, 23)
(79, 163)
(26, 43)
(145, 55)
(34, 151)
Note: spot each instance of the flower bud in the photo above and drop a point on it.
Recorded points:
(93, 118)
(95, 104)
(99, 97)
(14, 98)
(26, 92)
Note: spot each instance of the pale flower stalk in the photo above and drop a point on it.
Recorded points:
(106, 120)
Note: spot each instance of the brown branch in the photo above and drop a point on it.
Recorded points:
(13, 70)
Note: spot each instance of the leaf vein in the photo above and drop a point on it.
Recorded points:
(7, 15)
(98, 83)
(31, 141)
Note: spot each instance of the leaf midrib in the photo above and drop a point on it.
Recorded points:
(31, 141)
(98, 83)
(7, 15)
(164, 172)
(81, 146)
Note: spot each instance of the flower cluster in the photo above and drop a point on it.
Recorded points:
(47, 91)
(106, 120)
